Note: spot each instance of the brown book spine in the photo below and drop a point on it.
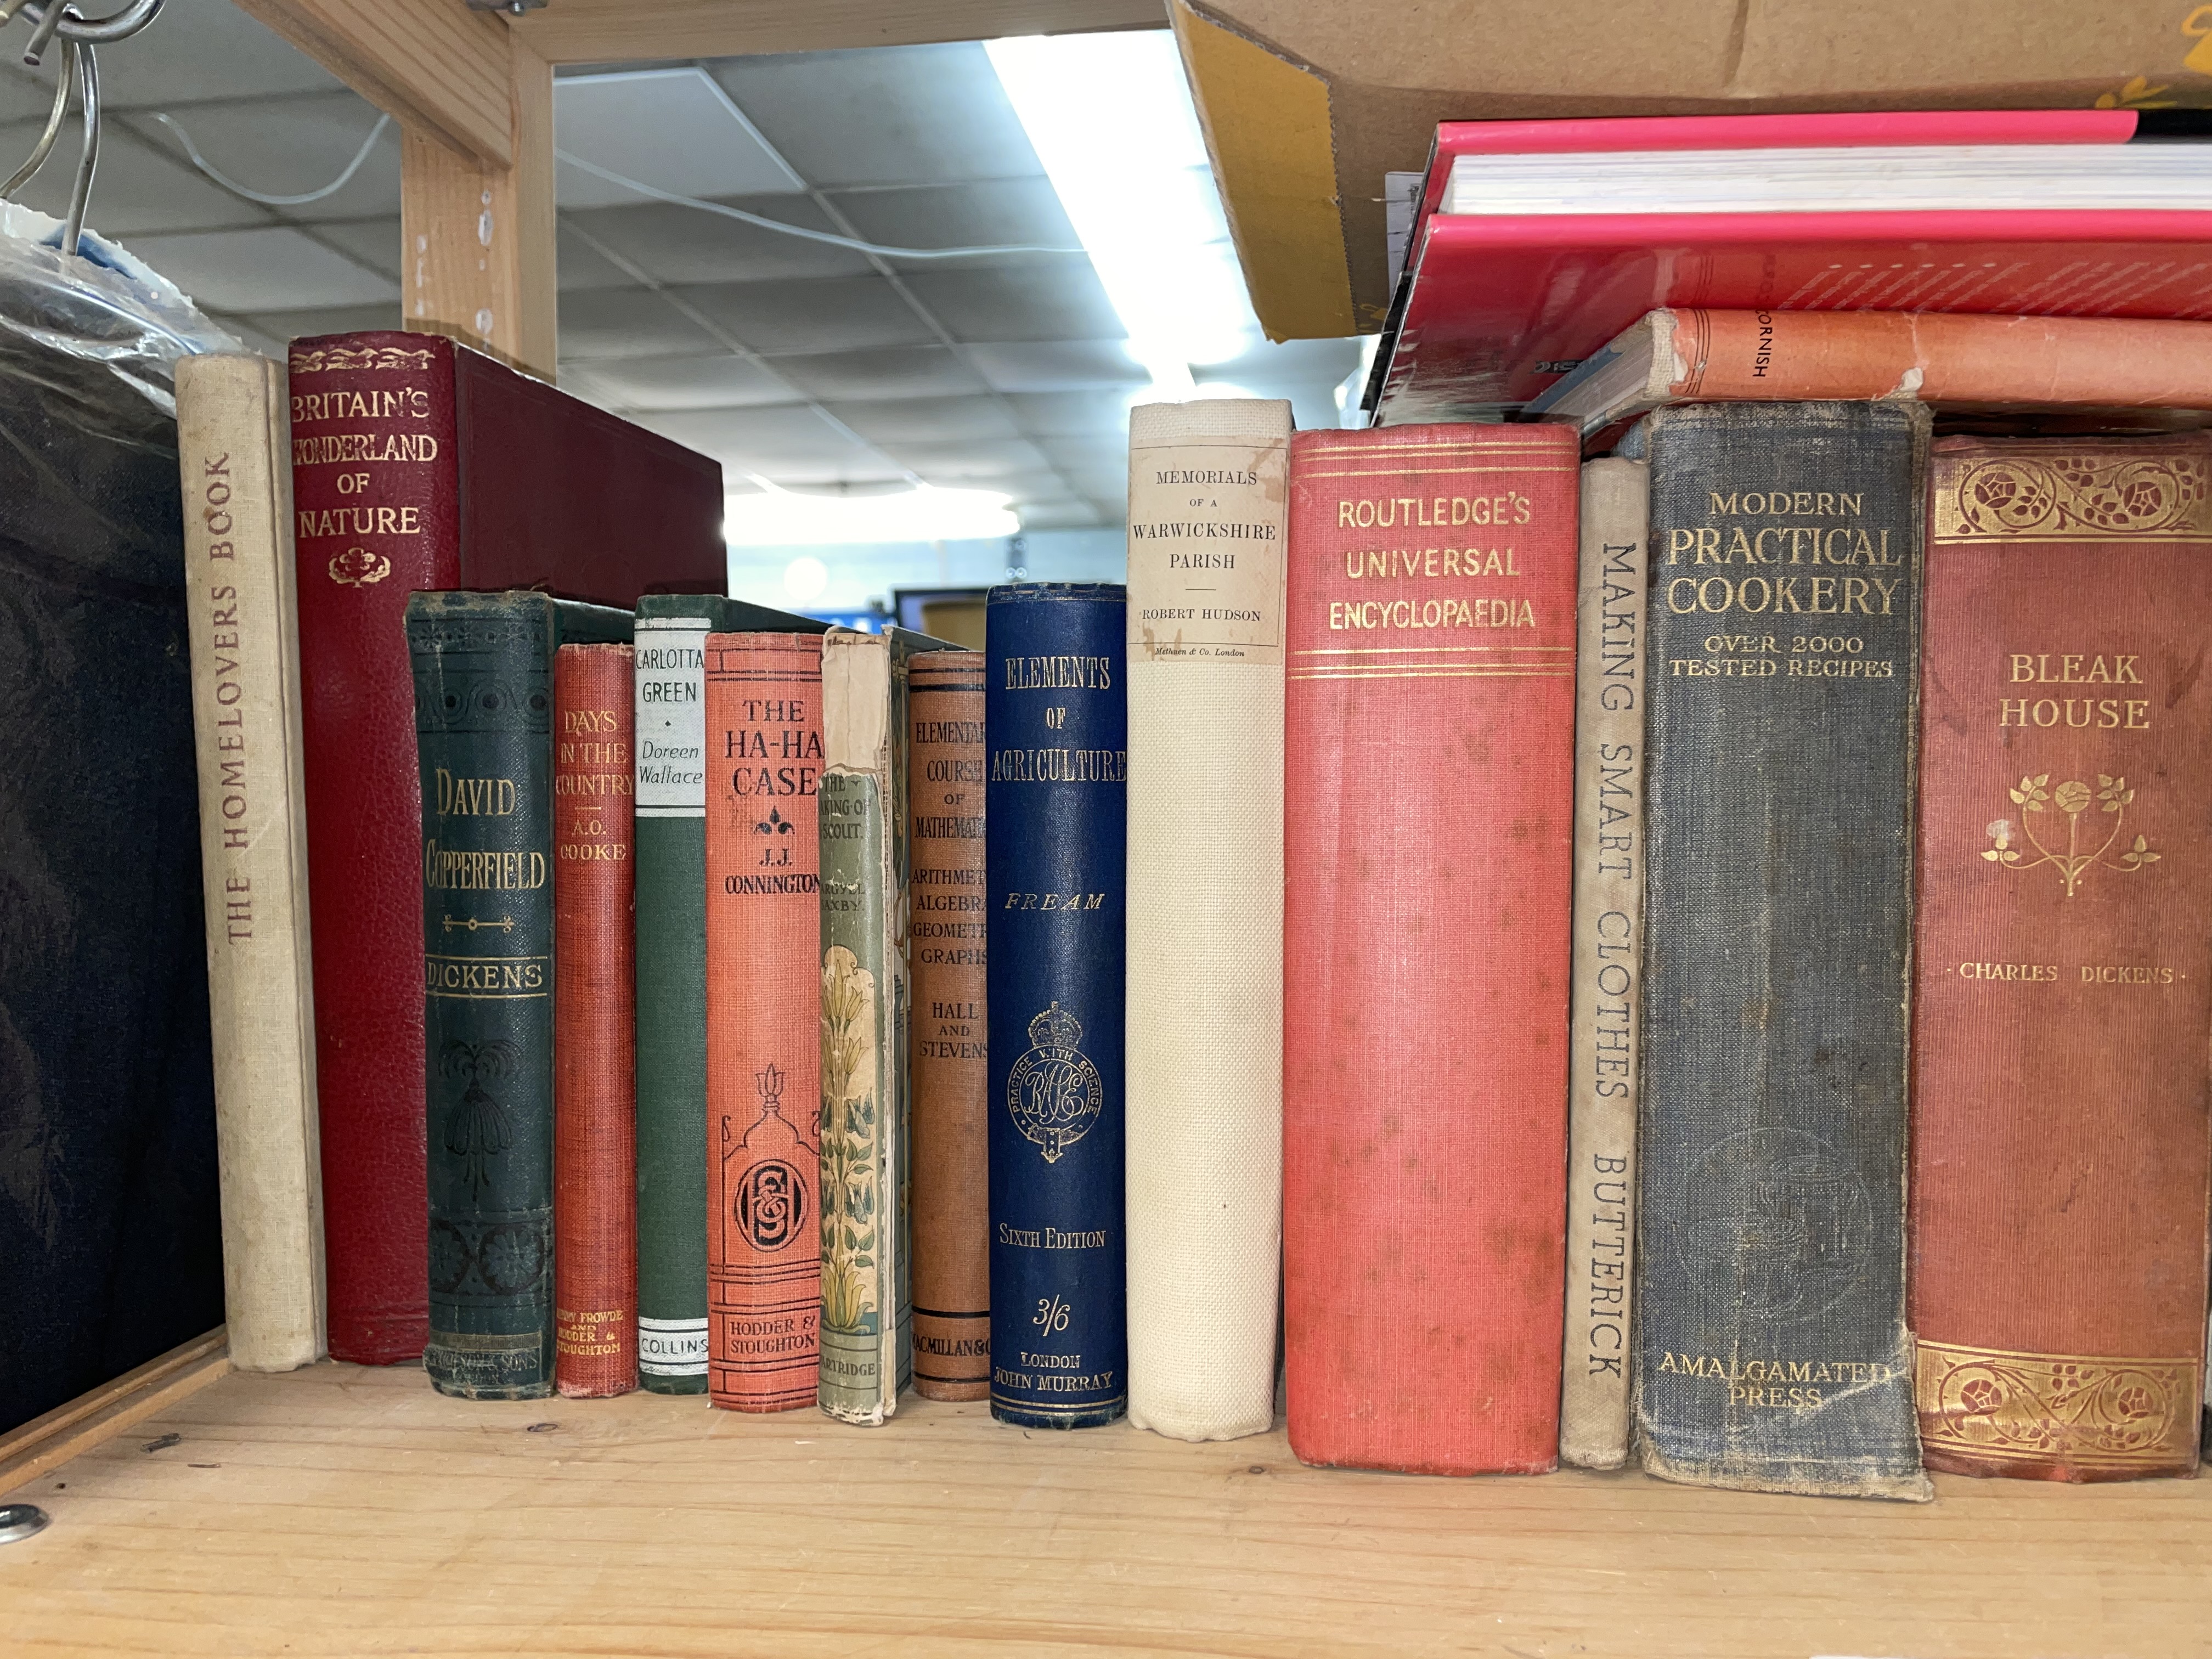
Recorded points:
(952, 1058)
(1937, 357)
(763, 1019)
(594, 1025)
(2061, 1167)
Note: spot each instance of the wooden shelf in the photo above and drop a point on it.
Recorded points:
(345, 1510)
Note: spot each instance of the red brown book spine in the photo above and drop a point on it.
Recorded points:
(2062, 1172)
(417, 464)
(1428, 830)
(594, 1023)
(375, 485)
(951, 1055)
(764, 1020)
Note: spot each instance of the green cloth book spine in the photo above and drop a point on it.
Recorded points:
(484, 720)
(671, 973)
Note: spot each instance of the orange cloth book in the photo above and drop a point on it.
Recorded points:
(763, 1019)
(594, 1026)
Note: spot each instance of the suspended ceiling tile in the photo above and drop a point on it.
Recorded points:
(289, 326)
(1072, 414)
(673, 129)
(928, 420)
(584, 261)
(1325, 361)
(1025, 303)
(836, 313)
(788, 444)
(1056, 366)
(883, 115)
(289, 147)
(975, 460)
(690, 382)
(373, 242)
(627, 322)
(138, 191)
(680, 244)
(883, 373)
(275, 269)
(985, 213)
(193, 50)
(24, 96)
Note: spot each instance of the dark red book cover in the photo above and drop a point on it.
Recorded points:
(764, 1020)
(1428, 828)
(417, 464)
(2061, 1167)
(594, 1023)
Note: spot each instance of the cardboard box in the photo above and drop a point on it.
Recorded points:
(1307, 104)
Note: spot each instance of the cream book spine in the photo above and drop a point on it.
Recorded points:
(1608, 947)
(233, 443)
(1208, 495)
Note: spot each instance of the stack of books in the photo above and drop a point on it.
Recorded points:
(1645, 900)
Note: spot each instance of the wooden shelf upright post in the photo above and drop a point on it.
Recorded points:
(475, 105)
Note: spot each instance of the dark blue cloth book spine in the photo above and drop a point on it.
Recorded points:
(483, 734)
(1056, 826)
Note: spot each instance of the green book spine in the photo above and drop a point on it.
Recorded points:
(671, 993)
(483, 700)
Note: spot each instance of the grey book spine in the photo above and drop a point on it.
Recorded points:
(1783, 673)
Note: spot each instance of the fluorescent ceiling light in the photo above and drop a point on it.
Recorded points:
(783, 518)
(1110, 118)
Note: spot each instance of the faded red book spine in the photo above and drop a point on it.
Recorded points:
(763, 1019)
(2062, 1171)
(376, 475)
(1428, 830)
(594, 1023)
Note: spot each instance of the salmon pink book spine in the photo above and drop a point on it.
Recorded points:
(1428, 830)
(764, 1020)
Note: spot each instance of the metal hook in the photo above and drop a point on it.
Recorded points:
(52, 20)
(62, 81)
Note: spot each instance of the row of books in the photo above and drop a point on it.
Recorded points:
(1315, 902)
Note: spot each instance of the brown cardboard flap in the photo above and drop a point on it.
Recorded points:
(1380, 75)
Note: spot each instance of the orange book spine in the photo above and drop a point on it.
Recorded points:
(763, 1054)
(594, 1026)
(1939, 357)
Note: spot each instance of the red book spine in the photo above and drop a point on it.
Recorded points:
(594, 1023)
(2062, 1171)
(763, 1019)
(1428, 830)
(376, 493)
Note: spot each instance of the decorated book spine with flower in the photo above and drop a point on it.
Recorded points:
(1056, 836)
(1428, 862)
(2061, 1168)
(376, 486)
(764, 763)
(1785, 548)
(866, 1303)
(594, 1013)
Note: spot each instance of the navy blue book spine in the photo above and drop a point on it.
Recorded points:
(1056, 824)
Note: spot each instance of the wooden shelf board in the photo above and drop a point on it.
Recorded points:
(345, 1509)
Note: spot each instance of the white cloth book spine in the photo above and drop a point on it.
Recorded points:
(233, 443)
(1208, 495)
